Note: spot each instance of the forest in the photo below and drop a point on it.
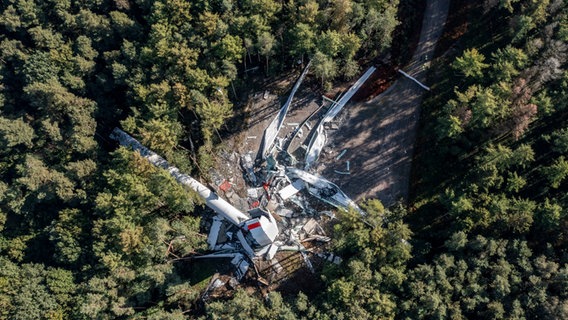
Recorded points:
(86, 227)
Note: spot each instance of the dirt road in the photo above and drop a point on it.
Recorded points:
(380, 134)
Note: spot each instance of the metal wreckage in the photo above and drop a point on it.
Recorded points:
(270, 226)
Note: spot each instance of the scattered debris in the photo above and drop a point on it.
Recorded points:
(414, 79)
(274, 213)
(325, 190)
(291, 189)
(225, 186)
(271, 131)
(328, 99)
(220, 286)
(330, 257)
(341, 154)
(253, 193)
(254, 233)
(213, 236)
(328, 213)
(276, 266)
(248, 167)
(283, 212)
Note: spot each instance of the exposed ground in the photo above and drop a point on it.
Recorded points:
(262, 111)
(380, 134)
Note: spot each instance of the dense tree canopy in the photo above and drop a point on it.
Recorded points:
(496, 211)
(89, 231)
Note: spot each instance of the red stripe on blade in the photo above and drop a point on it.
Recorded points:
(254, 225)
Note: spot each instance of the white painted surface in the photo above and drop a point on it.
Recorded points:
(291, 189)
(319, 138)
(271, 132)
(212, 200)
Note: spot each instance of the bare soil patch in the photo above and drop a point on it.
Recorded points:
(378, 128)
(380, 134)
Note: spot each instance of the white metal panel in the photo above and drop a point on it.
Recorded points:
(271, 132)
(338, 199)
(291, 189)
(212, 200)
(214, 232)
(316, 145)
(262, 230)
(245, 244)
(318, 140)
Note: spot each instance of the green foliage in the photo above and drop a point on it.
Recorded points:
(523, 25)
(508, 62)
(560, 141)
(213, 113)
(377, 250)
(496, 195)
(101, 300)
(329, 43)
(15, 133)
(131, 234)
(471, 63)
(485, 278)
(90, 234)
(303, 37)
(324, 67)
(556, 172)
(350, 69)
(65, 232)
(30, 291)
(378, 25)
(245, 306)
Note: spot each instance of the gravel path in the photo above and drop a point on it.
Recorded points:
(380, 134)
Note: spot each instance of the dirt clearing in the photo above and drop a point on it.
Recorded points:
(375, 138)
(379, 135)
